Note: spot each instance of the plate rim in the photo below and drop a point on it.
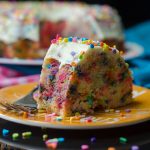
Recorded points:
(38, 62)
(63, 126)
(72, 127)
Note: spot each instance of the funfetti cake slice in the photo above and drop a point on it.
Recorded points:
(81, 75)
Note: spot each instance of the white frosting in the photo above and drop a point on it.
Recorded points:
(62, 52)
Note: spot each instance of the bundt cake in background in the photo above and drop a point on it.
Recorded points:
(82, 75)
(27, 28)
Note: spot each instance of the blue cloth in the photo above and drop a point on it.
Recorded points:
(140, 66)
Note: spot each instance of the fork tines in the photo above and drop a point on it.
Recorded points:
(18, 108)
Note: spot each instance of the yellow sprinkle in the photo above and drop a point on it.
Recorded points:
(120, 52)
(65, 39)
(111, 110)
(60, 41)
(127, 64)
(90, 41)
(77, 114)
(60, 38)
(105, 47)
(71, 119)
(83, 42)
(114, 46)
(42, 111)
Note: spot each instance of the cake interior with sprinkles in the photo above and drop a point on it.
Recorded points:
(80, 75)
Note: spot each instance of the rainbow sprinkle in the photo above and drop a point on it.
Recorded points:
(86, 41)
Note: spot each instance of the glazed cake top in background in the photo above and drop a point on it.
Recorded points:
(70, 50)
(22, 20)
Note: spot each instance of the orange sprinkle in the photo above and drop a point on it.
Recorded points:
(121, 52)
(73, 64)
(111, 148)
(101, 44)
(25, 114)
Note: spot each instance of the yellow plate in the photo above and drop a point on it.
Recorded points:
(140, 112)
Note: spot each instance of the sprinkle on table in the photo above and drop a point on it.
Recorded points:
(123, 140)
(93, 139)
(61, 139)
(26, 135)
(5, 132)
(15, 136)
(111, 148)
(45, 137)
(134, 147)
(84, 147)
(52, 145)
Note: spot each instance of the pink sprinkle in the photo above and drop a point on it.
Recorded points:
(50, 117)
(57, 37)
(89, 120)
(84, 147)
(74, 39)
(53, 41)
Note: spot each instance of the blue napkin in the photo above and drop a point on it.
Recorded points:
(140, 66)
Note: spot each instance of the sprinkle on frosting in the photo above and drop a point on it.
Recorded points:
(75, 46)
(91, 45)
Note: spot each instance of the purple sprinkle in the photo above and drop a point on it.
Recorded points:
(134, 147)
(114, 50)
(84, 147)
(73, 53)
(128, 110)
(93, 139)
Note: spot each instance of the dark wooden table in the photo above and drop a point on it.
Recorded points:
(136, 135)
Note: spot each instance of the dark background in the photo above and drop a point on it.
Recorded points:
(131, 11)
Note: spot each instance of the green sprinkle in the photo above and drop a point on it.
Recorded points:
(26, 134)
(123, 140)
(45, 136)
(15, 136)
(59, 118)
(81, 57)
(90, 100)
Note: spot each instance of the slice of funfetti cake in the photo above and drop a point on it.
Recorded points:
(81, 75)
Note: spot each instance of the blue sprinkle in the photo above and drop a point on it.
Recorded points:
(91, 46)
(49, 66)
(51, 77)
(59, 118)
(84, 39)
(73, 53)
(70, 39)
(5, 132)
(61, 139)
